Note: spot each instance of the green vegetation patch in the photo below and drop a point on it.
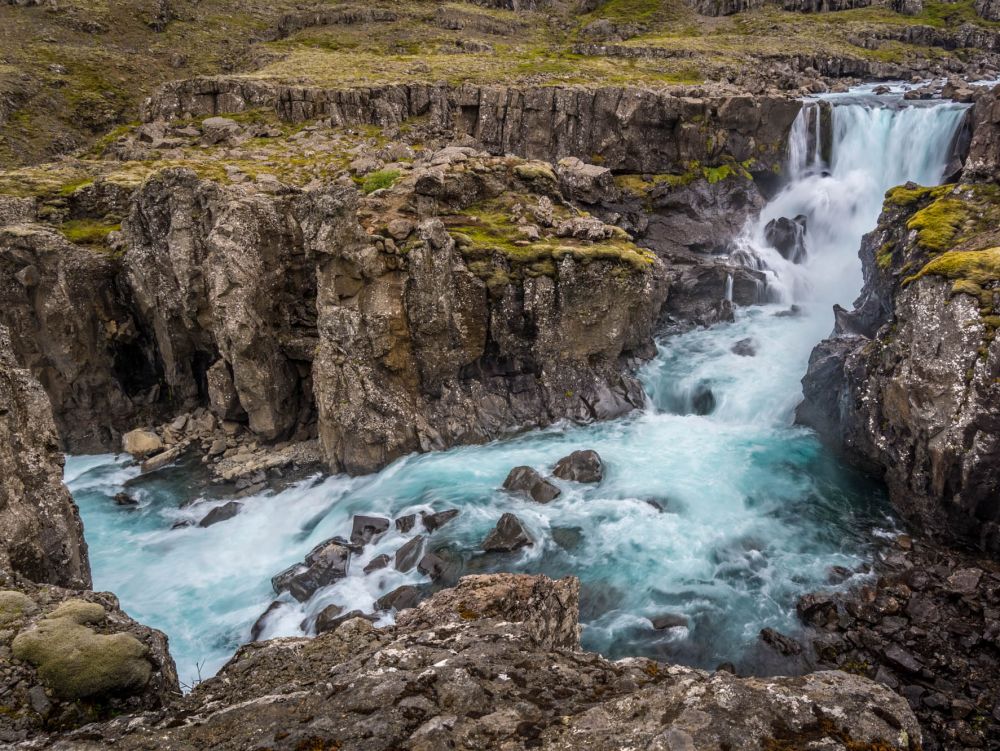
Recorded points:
(907, 195)
(379, 180)
(939, 223)
(88, 231)
(970, 267)
(77, 663)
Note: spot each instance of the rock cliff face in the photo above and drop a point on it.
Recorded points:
(69, 326)
(626, 129)
(41, 537)
(496, 663)
(909, 384)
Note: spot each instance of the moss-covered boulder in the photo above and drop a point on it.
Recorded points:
(77, 663)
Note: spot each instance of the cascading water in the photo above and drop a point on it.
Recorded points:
(715, 508)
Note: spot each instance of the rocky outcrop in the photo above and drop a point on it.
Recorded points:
(69, 325)
(925, 627)
(226, 279)
(909, 384)
(70, 657)
(496, 663)
(988, 9)
(41, 537)
(629, 129)
(723, 7)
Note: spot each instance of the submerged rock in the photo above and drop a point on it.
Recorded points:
(261, 623)
(580, 466)
(745, 348)
(527, 482)
(508, 535)
(702, 399)
(669, 620)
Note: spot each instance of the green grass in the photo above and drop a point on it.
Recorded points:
(88, 231)
(379, 180)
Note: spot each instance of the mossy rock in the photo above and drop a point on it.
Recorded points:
(74, 662)
(970, 268)
(14, 606)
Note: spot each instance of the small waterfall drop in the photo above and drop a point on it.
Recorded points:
(714, 509)
(874, 145)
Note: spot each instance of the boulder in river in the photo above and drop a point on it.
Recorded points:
(406, 523)
(527, 482)
(580, 466)
(441, 567)
(324, 565)
(336, 621)
(367, 528)
(433, 522)
(668, 620)
(221, 514)
(377, 563)
(124, 499)
(788, 237)
(781, 643)
(508, 535)
(401, 598)
(326, 618)
(408, 555)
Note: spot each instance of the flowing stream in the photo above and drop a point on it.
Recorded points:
(724, 518)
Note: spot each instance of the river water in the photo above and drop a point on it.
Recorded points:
(724, 519)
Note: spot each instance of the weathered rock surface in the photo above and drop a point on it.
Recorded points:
(41, 536)
(496, 663)
(927, 628)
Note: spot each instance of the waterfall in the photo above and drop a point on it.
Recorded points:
(874, 146)
(714, 509)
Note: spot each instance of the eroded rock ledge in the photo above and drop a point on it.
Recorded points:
(495, 663)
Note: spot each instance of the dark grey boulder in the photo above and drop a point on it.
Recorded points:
(508, 535)
(433, 522)
(220, 514)
(261, 623)
(580, 466)
(702, 399)
(527, 482)
(781, 643)
(376, 563)
(788, 237)
(367, 528)
(406, 523)
(568, 538)
(402, 598)
(325, 564)
(441, 568)
(408, 555)
(326, 618)
(124, 499)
